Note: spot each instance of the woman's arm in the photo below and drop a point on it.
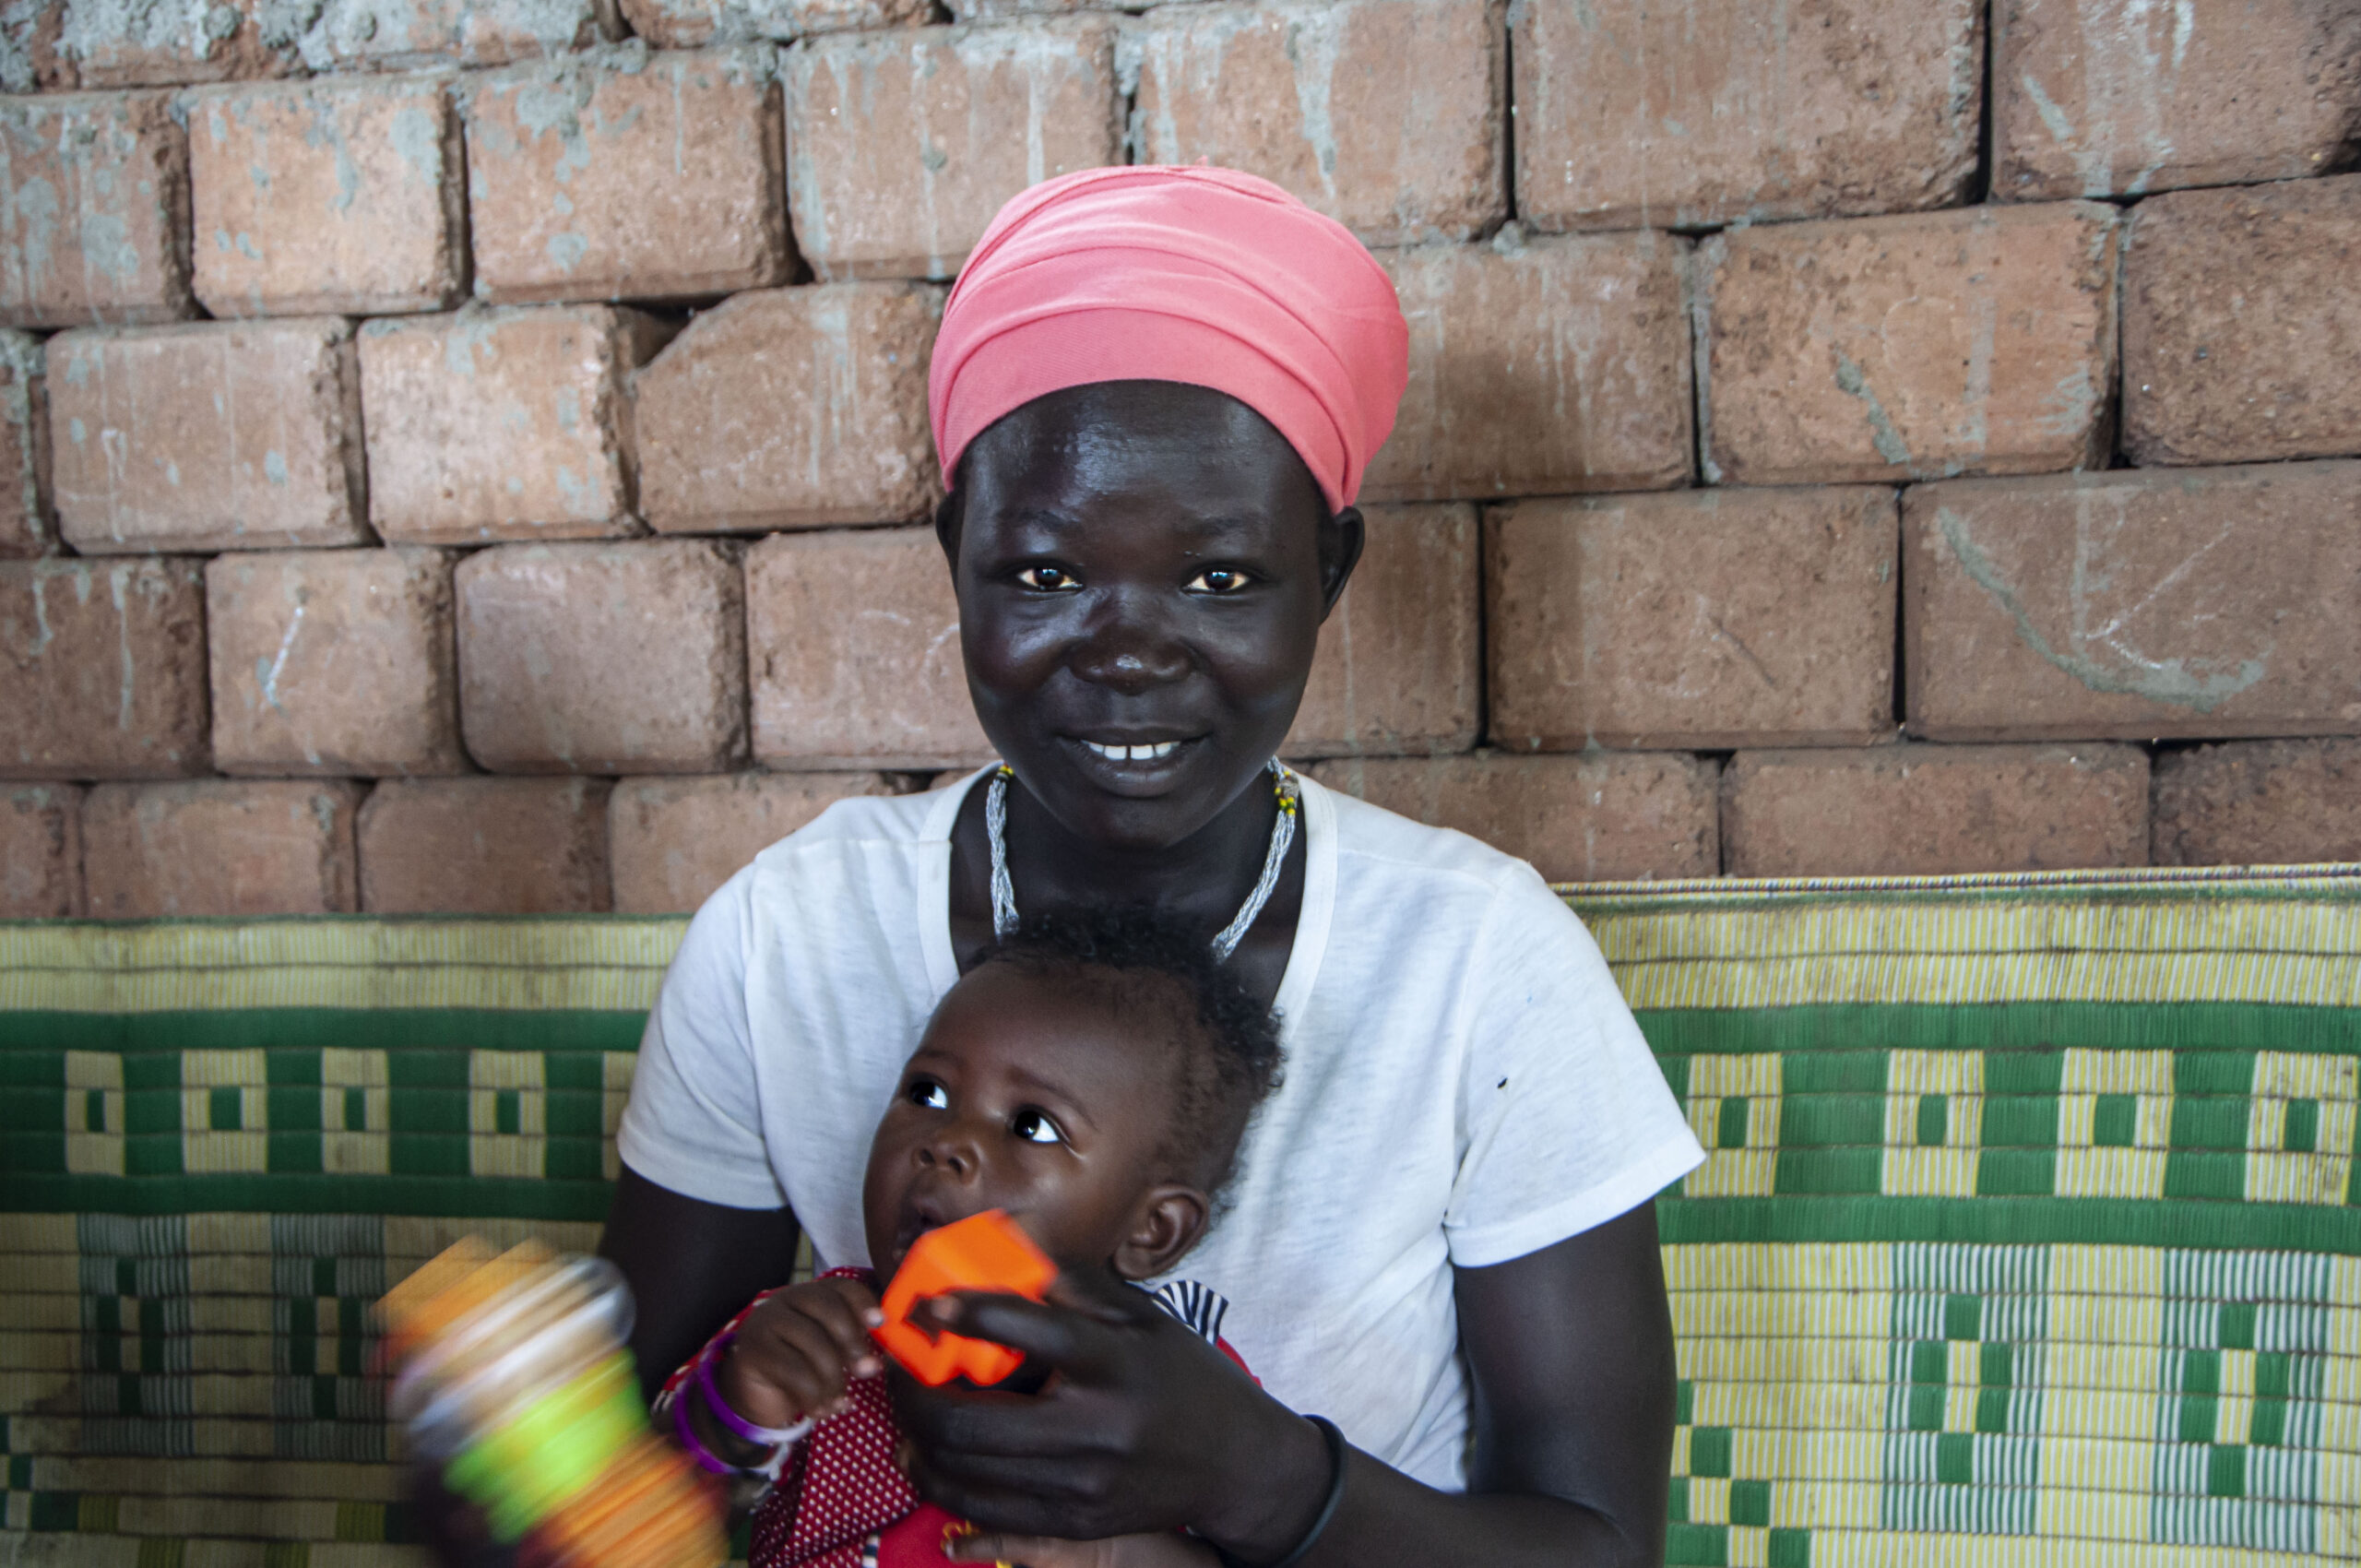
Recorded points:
(1570, 1355)
(690, 1266)
(1570, 1349)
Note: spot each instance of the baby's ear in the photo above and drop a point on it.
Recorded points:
(1166, 1225)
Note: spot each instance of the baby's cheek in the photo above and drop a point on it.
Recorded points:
(881, 1192)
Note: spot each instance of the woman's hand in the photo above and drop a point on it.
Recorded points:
(795, 1353)
(1142, 1428)
(1166, 1550)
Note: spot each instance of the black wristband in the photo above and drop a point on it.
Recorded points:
(1336, 1440)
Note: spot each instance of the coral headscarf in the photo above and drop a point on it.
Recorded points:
(1197, 275)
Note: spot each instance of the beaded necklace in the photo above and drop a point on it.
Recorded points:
(1225, 941)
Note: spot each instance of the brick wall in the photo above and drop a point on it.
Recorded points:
(470, 454)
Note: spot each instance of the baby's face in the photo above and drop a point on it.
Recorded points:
(1023, 1096)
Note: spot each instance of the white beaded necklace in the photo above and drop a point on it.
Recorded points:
(1225, 941)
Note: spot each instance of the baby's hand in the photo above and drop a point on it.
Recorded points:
(796, 1353)
(1168, 1550)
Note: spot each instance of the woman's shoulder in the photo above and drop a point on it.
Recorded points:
(1395, 847)
(859, 821)
(841, 858)
(1401, 881)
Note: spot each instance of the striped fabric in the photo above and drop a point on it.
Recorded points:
(2030, 1231)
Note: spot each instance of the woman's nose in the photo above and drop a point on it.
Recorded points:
(1131, 654)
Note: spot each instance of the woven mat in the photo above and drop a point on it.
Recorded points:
(2031, 1232)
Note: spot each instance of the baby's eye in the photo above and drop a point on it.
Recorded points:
(1219, 580)
(1034, 1127)
(1048, 579)
(927, 1092)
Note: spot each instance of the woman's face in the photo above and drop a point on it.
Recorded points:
(1142, 570)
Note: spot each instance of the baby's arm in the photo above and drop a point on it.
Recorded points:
(1170, 1549)
(795, 1353)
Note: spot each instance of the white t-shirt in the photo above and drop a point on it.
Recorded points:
(1464, 1086)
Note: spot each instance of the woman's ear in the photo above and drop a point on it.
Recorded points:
(1341, 537)
(1168, 1223)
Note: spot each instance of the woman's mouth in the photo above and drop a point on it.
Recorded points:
(1127, 756)
(1151, 752)
(1134, 766)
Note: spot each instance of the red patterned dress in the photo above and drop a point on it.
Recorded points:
(855, 1508)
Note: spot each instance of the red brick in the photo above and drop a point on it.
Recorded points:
(1704, 619)
(214, 846)
(40, 852)
(94, 211)
(1400, 668)
(1541, 366)
(1929, 810)
(2242, 324)
(165, 45)
(792, 408)
(27, 524)
(694, 24)
(328, 195)
(485, 847)
(1017, 10)
(621, 174)
(1917, 347)
(2134, 605)
(101, 669)
(901, 145)
(2267, 803)
(30, 59)
(504, 424)
(1387, 115)
(232, 435)
(852, 645)
(337, 661)
(675, 840)
(2114, 97)
(1633, 114)
(400, 35)
(603, 658)
(1575, 819)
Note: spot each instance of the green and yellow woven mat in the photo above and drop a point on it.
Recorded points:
(2031, 1232)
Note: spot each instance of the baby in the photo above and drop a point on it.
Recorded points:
(1092, 1077)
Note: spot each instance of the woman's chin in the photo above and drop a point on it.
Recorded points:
(1149, 804)
(1135, 825)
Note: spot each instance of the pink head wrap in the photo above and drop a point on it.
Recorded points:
(1197, 275)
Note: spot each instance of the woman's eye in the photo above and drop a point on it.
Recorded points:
(928, 1093)
(1219, 580)
(1035, 1128)
(1048, 579)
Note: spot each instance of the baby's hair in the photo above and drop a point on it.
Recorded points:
(1136, 960)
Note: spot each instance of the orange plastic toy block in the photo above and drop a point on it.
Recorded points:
(983, 1251)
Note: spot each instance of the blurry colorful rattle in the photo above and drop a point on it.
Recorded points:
(512, 1374)
(983, 1251)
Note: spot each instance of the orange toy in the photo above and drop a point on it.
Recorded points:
(983, 1251)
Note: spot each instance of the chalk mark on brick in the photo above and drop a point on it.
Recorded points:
(1738, 643)
(1888, 442)
(2167, 679)
(269, 672)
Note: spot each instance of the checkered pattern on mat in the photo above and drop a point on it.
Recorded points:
(2029, 1233)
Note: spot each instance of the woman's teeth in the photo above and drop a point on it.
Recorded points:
(1134, 754)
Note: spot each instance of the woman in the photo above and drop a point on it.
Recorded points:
(1155, 391)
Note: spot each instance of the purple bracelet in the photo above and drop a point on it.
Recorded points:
(707, 1459)
(769, 1437)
